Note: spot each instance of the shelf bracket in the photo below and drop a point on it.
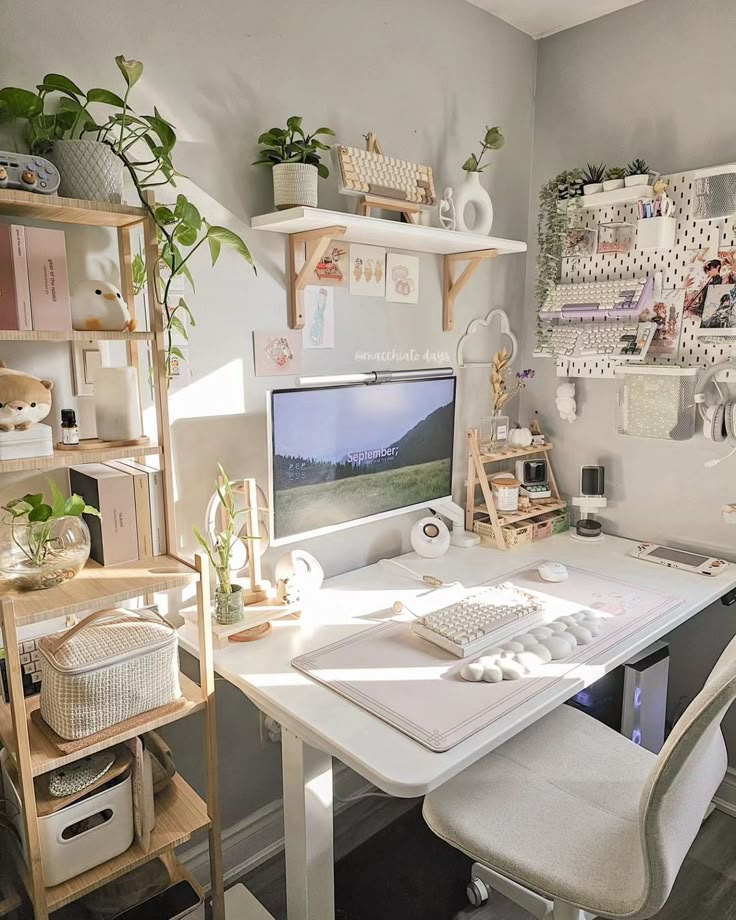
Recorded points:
(453, 286)
(317, 242)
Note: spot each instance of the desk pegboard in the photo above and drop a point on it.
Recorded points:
(673, 263)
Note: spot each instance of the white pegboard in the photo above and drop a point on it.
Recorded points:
(673, 264)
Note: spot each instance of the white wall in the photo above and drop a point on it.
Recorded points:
(427, 76)
(655, 80)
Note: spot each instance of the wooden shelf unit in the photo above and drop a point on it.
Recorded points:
(310, 231)
(478, 477)
(179, 810)
(72, 335)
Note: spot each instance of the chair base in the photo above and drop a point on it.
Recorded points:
(483, 879)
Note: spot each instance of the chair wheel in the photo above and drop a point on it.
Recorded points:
(477, 892)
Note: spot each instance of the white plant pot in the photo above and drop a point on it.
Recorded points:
(638, 179)
(88, 169)
(295, 185)
(471, 192)
(610, 185)
(592, 188)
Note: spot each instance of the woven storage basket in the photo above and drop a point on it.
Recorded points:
(112, 666)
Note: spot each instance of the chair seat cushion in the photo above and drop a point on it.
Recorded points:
(557, 810)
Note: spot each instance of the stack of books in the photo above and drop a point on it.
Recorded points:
(130, 498)
(34, 285)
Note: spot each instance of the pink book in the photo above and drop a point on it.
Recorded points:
(15, 296)
(48, 280)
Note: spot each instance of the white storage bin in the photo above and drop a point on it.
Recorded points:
(655, 232)
(64, 856)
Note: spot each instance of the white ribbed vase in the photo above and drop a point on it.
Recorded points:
(295, 185)
(88, 169)
(471, 192)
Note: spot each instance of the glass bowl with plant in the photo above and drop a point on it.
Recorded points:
(593, 177)
(224, 547)
(615, 176)
(44, 544)
(638, 173)
(296, 161)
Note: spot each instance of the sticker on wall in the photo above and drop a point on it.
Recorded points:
(702, 270)
(332, 268)
(277, 353)
(367, 270)
(666, 312)
(319, 317)
(402, 278)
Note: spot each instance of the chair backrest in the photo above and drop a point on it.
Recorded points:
(688, 771)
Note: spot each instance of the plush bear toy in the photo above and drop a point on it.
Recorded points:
(24, 400)
(99, 305)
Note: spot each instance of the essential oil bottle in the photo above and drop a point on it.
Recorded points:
(69, 428)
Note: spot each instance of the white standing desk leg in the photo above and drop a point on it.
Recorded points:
(310, 876)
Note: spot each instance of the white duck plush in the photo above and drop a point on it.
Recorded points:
(98, 305)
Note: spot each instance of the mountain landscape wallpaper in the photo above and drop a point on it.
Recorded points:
(345, 453)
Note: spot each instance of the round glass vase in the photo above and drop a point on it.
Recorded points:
(39, 555)
(229, 606)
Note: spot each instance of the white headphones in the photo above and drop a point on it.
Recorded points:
(719, 411)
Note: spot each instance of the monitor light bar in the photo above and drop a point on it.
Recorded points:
(368, 377)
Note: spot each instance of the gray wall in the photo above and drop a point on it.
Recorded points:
(427, 75)
(655, 80)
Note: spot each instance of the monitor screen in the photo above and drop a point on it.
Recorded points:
(344, 455)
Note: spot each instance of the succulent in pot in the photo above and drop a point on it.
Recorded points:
(295, 158)
(43, 545)
(637, 173)
(593, 178)
(615, 176)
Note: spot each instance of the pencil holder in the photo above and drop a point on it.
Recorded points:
(655, 232)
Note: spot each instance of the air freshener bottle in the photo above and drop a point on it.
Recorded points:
(69, 428)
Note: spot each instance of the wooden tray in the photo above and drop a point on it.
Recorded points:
(98, 444)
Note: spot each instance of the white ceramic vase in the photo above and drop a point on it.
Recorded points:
(472, 196)
(295, 185)
(88, 169)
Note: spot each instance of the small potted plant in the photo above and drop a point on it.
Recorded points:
(593, 178)
(637, 173)
(295, 160)
(43, 545)
(220, 547)
(615, 176)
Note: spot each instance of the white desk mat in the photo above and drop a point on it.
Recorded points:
(415, 686)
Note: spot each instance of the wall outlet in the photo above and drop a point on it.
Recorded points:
(270, 730)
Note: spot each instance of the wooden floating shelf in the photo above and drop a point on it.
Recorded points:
(97, 587)
(45, 756)
(61, 458)
(310, 231)
(617, 196)
(72, 335)
(513, 453)
(180, 813)
(31, 206)
(536, 510)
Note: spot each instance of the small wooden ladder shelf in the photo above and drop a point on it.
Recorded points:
(310, 231)
(478, 477)
(180, 812)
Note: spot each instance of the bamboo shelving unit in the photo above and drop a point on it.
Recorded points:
(478, 477)
(180, 812)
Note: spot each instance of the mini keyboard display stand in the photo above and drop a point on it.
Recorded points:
(542, 518)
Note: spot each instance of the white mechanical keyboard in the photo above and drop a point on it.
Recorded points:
(614, 340)
(481, 620)
(581, 299)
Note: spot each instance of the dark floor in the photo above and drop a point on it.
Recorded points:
(404, 872)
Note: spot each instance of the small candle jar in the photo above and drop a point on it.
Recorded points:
(506, 495)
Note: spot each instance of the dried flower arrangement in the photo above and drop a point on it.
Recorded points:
(504, 383)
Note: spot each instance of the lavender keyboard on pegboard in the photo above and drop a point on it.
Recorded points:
(30, 666)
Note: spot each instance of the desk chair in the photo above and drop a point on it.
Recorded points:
(571, 820)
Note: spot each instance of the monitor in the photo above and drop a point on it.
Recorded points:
(346, 455)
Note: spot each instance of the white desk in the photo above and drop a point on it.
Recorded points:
(319, 724)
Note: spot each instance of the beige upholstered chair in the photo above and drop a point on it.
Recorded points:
(571, 820)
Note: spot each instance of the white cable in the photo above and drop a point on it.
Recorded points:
(363, 795)
(709, 464)
(425, 579)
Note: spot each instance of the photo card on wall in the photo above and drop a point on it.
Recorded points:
(666, 313)
(277, 353)
(402, 278)
(319, 317)
(367, 270)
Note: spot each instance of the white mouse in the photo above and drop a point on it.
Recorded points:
(552, 571)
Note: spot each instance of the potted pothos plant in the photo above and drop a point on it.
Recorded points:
(220, 545)
(295, 159)
(557, 198)
(42, 543)
(76, 127)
